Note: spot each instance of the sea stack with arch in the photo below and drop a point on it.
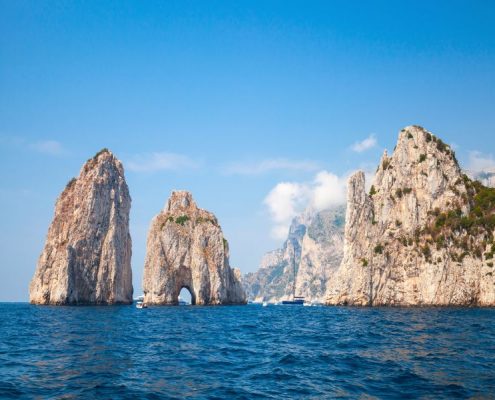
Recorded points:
(186, 249)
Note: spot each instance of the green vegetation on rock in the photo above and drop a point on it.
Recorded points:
(378, 249)
(182, 220)
(203, 220)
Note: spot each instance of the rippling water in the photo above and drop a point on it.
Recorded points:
(246, 352)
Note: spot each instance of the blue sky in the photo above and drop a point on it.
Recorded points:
(258, 108)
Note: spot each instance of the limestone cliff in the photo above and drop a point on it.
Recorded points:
(186, 248)
(422, 236)
(87, 254)
(309, 257)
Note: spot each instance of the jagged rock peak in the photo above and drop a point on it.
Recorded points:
(180, 200)
(186, 248)
(421, 174)
(424, 235)
(87, 253)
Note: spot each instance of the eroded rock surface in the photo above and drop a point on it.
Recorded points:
(422, 236)
(186, 248)
(87, 254)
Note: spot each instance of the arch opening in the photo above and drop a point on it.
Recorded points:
(186, 297)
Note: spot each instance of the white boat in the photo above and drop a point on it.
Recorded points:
(265, 303)
(141, 304)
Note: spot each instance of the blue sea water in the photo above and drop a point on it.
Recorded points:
(246, 352)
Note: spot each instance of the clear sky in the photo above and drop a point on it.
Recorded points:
(258, 107)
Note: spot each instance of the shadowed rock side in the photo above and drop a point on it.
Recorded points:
(186, 248)
(87, 254)
(422, 236)
(311, 254)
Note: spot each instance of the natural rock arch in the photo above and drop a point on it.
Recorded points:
(186, 248)
(191, 292)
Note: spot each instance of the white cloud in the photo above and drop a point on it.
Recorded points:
(285, 200)
(288, 199)
(328, 190)
(50, 147)
(256, 168)
(365, 144)
(479, 162)
(160, 161)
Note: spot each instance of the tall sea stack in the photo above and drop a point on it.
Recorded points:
(87, 254)
(186, 249)
(424, 235)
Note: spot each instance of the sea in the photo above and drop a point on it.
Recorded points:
(246, 352)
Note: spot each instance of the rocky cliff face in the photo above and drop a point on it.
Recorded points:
(311, 254)
(87, 254)
(186, 248)
(422, 236)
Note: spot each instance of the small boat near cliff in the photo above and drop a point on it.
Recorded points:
(296, 301)
(141, 304)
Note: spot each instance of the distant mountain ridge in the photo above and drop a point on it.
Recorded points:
(311, 253)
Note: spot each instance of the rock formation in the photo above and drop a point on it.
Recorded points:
(424, 235)
(309, 257)
(87, 254)
(186, 248)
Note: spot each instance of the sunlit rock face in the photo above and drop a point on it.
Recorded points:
(186, 248)
(423, 235)
(308, 259)
(87, 253)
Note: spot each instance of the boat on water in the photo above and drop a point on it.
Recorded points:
(141, 304)
(296, 301)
